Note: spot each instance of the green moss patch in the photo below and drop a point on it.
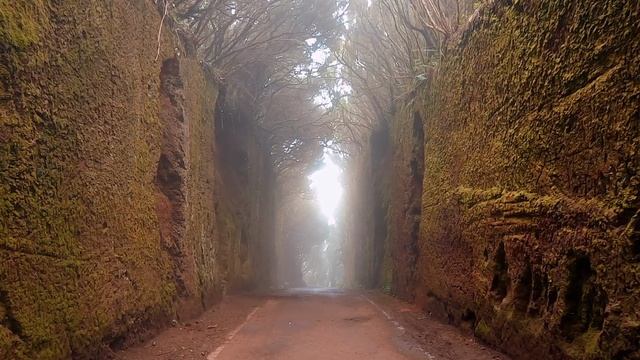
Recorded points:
(21, 22)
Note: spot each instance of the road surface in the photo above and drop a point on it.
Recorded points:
(313, 325)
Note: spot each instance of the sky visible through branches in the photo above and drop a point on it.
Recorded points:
(316, 77)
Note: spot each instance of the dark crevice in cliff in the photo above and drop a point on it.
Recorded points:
(585, 302)
(7, 318)
(500, 282)
(117, 343)
(408, 258)
(633, 231)
(538, 290)
(552, 298)
(171, 170)
(417, 170)
(469, 318)
(380, 143)
(379, 238)
(523, 290)
(417, 161)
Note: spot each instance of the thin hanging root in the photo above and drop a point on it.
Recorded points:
(166, 6)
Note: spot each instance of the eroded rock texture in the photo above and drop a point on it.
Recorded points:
(531, 185)
(112, 216)
(528, 231)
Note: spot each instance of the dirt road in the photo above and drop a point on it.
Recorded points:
(306, 324)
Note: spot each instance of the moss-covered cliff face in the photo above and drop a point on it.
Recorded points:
(405, 206)
(530, 215)
(108, 216)
(528, 224)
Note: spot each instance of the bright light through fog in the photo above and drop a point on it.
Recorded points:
(320, 56)
(326, 184)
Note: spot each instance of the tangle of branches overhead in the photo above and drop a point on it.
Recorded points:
(380, 50)
(262, 51)
(229, 34)
(391, 47)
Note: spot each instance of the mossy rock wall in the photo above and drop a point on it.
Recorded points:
(108, 178)
(404, 196)
(530, 229)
